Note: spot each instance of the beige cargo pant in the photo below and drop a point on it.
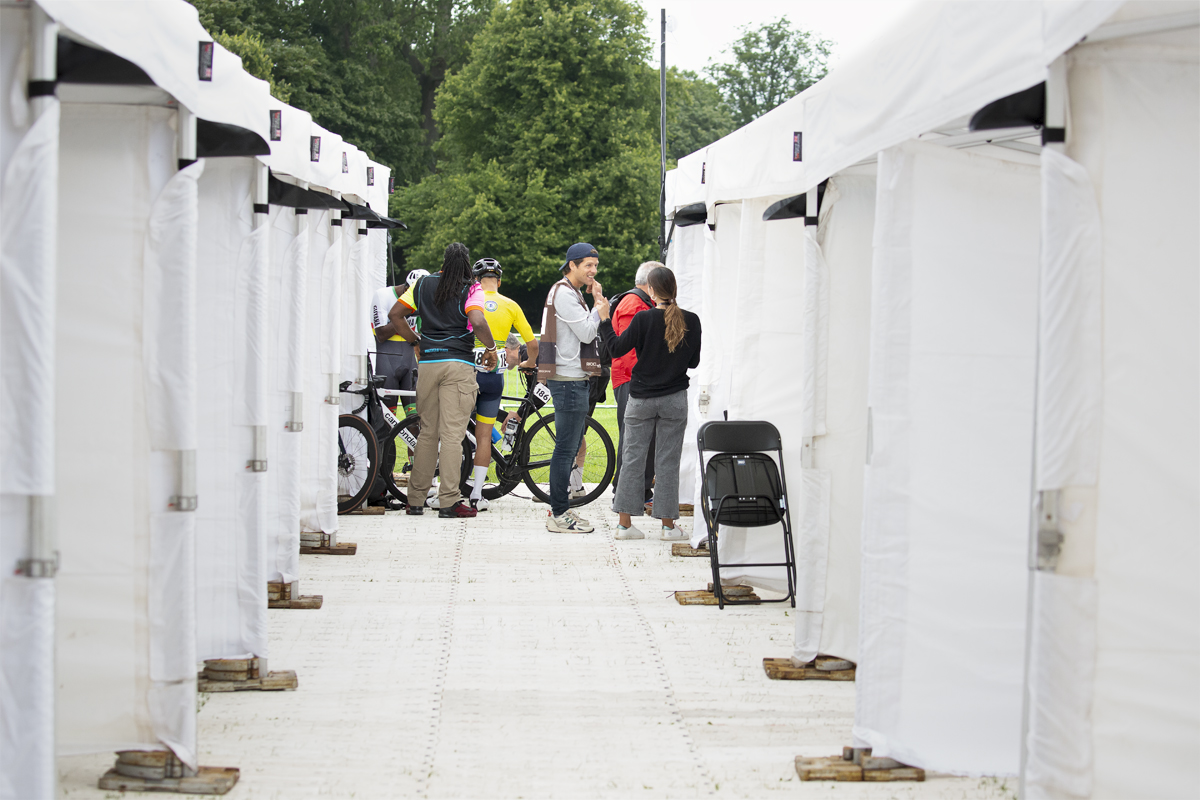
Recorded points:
(445, 399)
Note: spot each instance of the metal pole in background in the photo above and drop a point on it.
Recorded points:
(662, 135)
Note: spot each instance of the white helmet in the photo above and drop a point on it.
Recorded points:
(412, 277)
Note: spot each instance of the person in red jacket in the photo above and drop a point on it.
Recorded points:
(627, 306)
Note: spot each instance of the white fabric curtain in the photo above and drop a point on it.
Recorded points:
(947, 490)
(318, 484)
(1118, 430)
(28, 222)
(686, 259)
(231, 355)
(763, 383)
(288, 295)
(839, 308)
(126, 269)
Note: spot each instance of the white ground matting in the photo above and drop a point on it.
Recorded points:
(489, 658)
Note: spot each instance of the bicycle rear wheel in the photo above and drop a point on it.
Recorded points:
(597, 470)
(358, 461)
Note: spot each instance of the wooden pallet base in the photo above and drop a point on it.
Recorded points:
(686, 510)
(369, 511)
(161, 771)
(401, 480)
(856, 764)
(347, 549)
(823, 668)
(243, 675)
(740, 594)
(284, 680)
(684, 550)
(287, 595)
(209, 780)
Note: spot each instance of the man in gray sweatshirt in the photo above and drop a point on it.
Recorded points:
(574, 326)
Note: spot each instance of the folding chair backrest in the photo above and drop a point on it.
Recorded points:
(742, 436)
(743, 489)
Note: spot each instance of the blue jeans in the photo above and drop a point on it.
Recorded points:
(570, 417)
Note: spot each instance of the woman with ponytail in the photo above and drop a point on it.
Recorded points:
(667, 341)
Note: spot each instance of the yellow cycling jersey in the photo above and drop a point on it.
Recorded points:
(502, 316)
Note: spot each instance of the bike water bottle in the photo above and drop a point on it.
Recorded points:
(495, 435)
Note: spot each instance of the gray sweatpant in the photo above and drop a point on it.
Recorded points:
(665, 418)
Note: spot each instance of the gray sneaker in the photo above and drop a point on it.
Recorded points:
(567, 524)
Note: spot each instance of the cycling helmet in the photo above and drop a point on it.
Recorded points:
(489, 267)
(412, 277)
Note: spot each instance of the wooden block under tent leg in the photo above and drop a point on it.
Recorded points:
(685, 550)
(244, 675)
(856, 764)
(324, 544)
(822, 668)
(161, 771)
(287, 595)
(739, 594)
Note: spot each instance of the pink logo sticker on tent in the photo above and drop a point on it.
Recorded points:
(370, 176)
(345, 162)
(797, 146)
(206, 61)
(703, 170)
(391, 184)
(314, 148)
(276, 125)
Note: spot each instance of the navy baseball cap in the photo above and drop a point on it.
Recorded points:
(578, 252)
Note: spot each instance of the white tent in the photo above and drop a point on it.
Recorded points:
(945, 62)
(322, 347)
(287, 337)
(1114, 709)
(28, 193)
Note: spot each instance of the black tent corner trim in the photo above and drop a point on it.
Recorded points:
(289, 195)
(373, 220)
(692, 214)
(222, 140)
(79, 63)
(793, 207)
(1021, 110)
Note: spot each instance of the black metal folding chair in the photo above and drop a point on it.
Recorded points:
(742, 485)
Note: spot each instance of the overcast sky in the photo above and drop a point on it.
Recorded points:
(703, 28)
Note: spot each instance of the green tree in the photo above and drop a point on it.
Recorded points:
(548, 139)
(255, 59)
(771, 64)
(696, 113)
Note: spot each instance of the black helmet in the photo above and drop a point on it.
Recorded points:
(487, 267)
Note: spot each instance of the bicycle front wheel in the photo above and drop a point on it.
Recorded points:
(601, 460)
(358, 461)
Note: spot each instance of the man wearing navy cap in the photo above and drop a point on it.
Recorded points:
(567, 358)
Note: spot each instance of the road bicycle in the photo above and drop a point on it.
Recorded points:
(524, 455)
(520, 457)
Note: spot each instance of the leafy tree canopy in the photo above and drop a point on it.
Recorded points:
(697, 115)
(548, 140)
(771, 64)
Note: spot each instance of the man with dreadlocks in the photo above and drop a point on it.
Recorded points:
(450, 306)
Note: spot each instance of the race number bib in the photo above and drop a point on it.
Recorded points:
(501, 360)
(388, 416)
(541, 394)
(409, 438)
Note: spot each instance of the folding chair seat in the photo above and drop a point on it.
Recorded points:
(743, 486)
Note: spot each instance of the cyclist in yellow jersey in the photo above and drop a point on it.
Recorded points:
(503, 315)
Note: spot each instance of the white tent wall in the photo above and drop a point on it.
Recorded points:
(947, 487)
(842, 243)
(1118, 431)
(760, 319)
(686, 259)
(288, 312)
(28, 193)
(231, 355)
(125, 336)
(322, 347)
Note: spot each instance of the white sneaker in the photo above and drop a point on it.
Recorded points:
(481, 504)
(567, 524)
(576, 485)
(573, 514)
(628, 533)
(673, 535)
